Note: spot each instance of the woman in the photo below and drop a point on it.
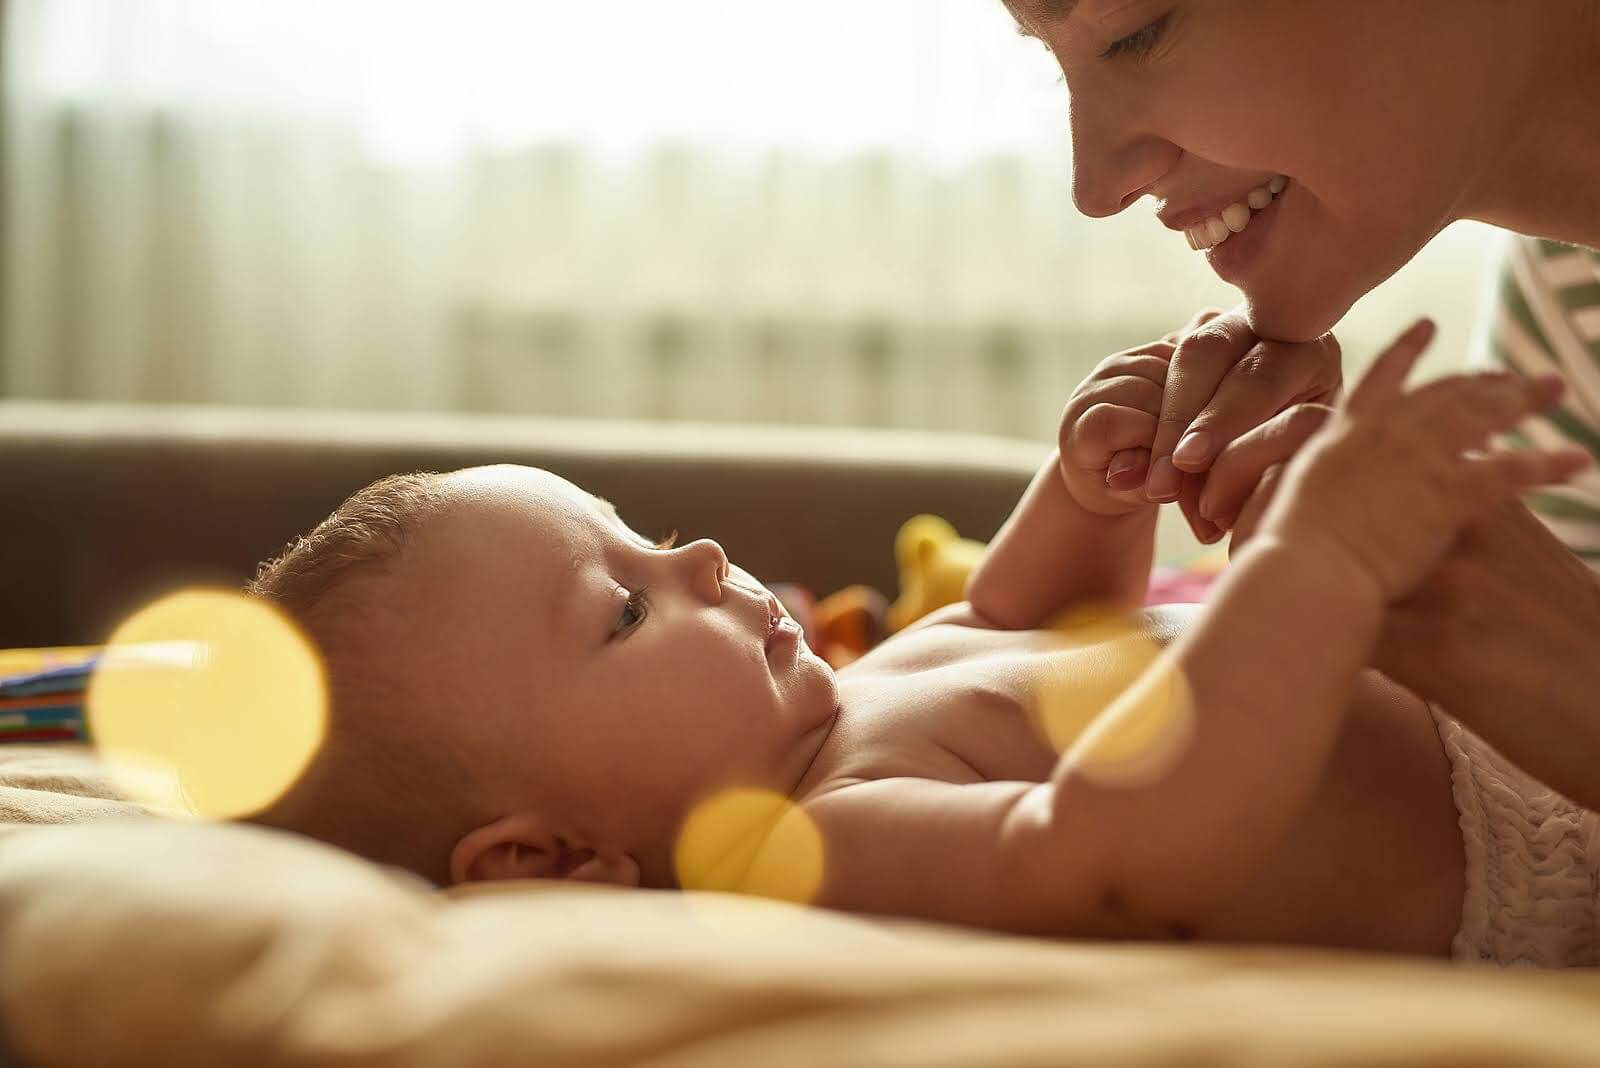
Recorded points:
(1309, 149)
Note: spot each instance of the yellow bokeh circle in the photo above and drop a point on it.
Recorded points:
(1090, 659)
(1106, 698)
(751, 841)
(1143, 734)
(214, 690)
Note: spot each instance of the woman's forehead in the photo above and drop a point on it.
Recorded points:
(1034, 13)
(1034, 16)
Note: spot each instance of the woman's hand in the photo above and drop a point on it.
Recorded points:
(1505, 636)
(1223, 383)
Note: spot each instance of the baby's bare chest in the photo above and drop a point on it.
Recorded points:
(966, 704)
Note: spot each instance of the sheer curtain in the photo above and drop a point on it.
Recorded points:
(834, 211)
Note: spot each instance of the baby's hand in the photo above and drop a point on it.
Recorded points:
(1240, 405)
(1390, 480)
(1108, 427)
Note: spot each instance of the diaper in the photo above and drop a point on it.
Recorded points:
(1533, 862)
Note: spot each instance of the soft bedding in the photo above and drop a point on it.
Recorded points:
(147, 941)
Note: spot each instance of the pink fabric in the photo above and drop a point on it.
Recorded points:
(1171, 585)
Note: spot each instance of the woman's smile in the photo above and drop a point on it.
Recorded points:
(1229, 230)
(1234, 257)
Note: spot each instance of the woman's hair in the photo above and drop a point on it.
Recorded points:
(382, 785)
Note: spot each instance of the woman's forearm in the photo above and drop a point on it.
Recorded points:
(1506, 638)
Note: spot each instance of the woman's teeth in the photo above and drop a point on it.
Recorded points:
(1233, 218)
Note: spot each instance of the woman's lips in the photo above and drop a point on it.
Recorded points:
(1227, 220)
(1233, 259)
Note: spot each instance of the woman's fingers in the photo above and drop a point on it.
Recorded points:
(1202, 361)
(1205, 531)
(1385, 379)
(1269, 379)
(1129, 467)
(1235, 474)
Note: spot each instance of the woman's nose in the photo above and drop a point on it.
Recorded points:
(1113, 164)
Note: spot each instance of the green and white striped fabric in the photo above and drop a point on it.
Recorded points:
(1547, 319)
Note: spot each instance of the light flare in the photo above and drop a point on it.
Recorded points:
(207, 701)
(749, 841)
(1107, 700)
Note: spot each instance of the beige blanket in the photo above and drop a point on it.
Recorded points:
(55, 784)
(144, 941)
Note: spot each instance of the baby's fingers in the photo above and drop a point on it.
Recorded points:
(1127, 469)
(1503, 475)
(1461, 412)
(1104, 431)
(1385, 378)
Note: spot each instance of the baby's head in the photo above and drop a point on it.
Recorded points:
(522, 686)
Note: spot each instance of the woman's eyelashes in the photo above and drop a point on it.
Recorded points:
(1140, 42)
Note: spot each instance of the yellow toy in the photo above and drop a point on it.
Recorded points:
(934, 564)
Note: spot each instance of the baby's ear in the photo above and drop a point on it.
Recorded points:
(523, 847)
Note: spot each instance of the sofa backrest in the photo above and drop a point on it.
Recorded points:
(103, 508)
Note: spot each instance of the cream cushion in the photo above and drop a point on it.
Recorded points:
(155, 942)
(127, 939)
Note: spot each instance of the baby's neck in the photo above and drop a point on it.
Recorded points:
(799, 772)
(809, 769)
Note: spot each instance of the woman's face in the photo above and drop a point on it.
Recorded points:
(1386, 118)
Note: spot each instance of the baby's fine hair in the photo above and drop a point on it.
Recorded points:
(382, 785)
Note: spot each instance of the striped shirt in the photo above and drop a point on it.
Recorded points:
(1546, 319)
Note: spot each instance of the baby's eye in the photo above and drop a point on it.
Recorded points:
(634, 611)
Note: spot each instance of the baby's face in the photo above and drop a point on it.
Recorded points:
(630, 679)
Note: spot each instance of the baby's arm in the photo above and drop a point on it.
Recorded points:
(1053, 554)
(997, 855)
(1072, 540)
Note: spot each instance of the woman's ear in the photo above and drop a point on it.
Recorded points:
(524, 847)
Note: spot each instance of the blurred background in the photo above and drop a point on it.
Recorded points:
(845, 212)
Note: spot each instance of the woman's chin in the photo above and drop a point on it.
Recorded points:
(1294, 316)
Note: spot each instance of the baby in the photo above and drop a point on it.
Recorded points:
(524, 687)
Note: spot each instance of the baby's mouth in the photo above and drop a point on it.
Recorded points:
(1233, 219)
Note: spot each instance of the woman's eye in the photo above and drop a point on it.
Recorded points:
(634, 611)
(1140, 42)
